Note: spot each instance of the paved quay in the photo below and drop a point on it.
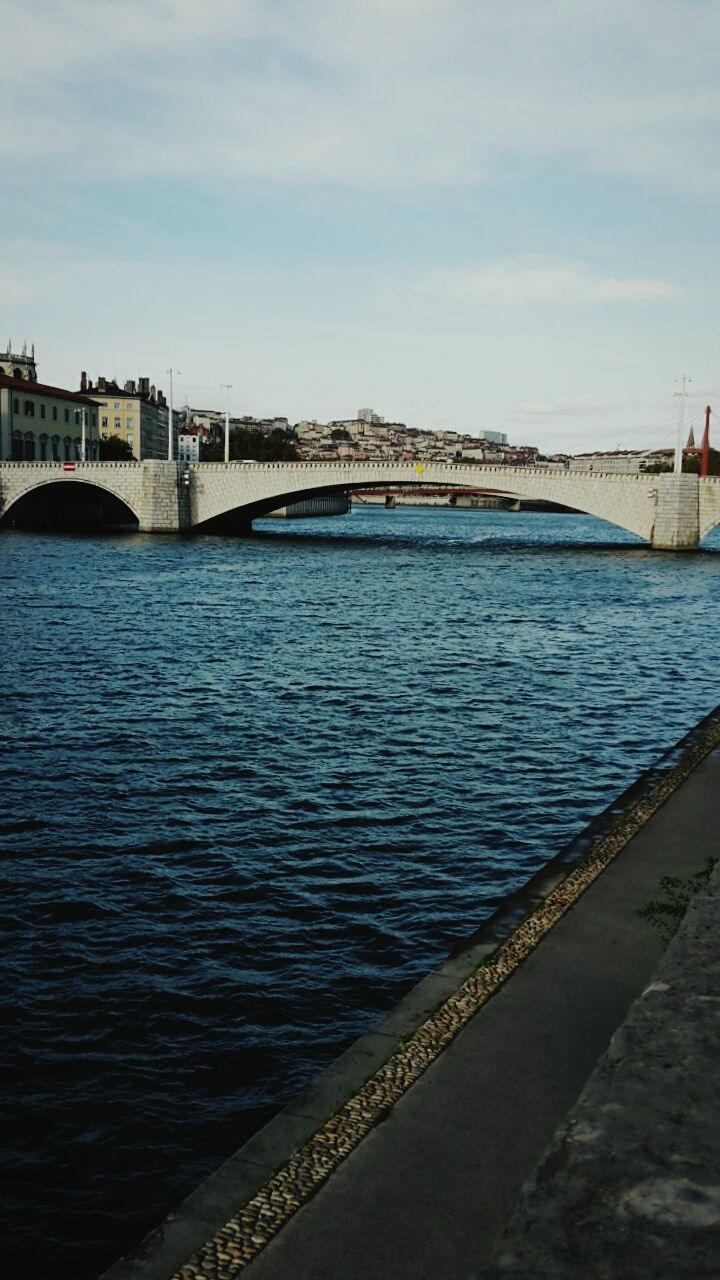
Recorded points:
(630, 1185)
(408, 1157)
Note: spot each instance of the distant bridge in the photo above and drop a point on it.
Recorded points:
(667, 511)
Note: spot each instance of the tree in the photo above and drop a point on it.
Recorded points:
(691, 463)
(115, 449)
(278, 446)
(339, 433)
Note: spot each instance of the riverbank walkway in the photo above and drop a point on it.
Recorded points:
(414, 1170)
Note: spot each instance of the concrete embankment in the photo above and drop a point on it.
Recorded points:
(408, 1157)
(630, 1185)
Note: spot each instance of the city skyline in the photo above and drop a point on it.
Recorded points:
(467, 222)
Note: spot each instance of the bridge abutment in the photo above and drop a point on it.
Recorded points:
(677, 512)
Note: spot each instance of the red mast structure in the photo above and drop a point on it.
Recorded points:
(705, 456)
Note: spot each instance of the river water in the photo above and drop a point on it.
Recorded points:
(254, 789)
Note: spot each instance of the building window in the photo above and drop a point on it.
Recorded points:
(116, 404)
(42, 410)
(16, 405)
(29, 446)
(118, 424)
(29, 408)
(76, 416)
(54, 413)
(129, 437)
(55, 446)
(94, 418)
(104, 422)
(77, 443)
(67, 415)
(128, 422)
(43, 447)
(17, 447)
(67, 445)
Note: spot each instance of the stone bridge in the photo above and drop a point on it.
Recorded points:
(668, 511)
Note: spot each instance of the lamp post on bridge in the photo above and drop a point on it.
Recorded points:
(228, 389)
(171, 371)
(681, 424)
(83, 416)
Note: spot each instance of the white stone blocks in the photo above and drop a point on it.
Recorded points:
(668, 511)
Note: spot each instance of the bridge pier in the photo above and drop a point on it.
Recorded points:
(677, 512)
(163, 502)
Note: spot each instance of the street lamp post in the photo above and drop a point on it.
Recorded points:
(228, 389)
(83, 414)
(171, 371)
(681, 424)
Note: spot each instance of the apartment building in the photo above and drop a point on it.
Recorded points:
(137, 412)
(42, 423)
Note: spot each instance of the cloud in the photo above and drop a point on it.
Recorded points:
(532, 278)
(582, 406)
(369, 94)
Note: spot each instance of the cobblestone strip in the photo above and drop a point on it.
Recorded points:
(253, 1226)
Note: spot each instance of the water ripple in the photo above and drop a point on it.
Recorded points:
(254, 789)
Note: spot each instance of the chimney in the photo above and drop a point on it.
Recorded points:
(101, 384)
(83, 381)
(130, 386)
(144, 385)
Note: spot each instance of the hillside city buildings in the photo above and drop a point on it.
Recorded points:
(40, 423)
(365, 437)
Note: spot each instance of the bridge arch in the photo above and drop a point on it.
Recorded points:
(225, 493)
(67, 503)
(709, 505)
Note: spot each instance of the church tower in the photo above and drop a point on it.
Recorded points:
(19, 366)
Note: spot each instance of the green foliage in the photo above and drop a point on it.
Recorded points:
(339, 433)
(115, 449)
(666, 914)
(691, 463)
(247, 443)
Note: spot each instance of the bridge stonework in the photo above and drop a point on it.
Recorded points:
(152, 490)
(670, 512)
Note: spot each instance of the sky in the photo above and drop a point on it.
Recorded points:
(462, 214)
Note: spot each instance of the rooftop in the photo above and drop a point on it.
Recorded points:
(43, 389)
